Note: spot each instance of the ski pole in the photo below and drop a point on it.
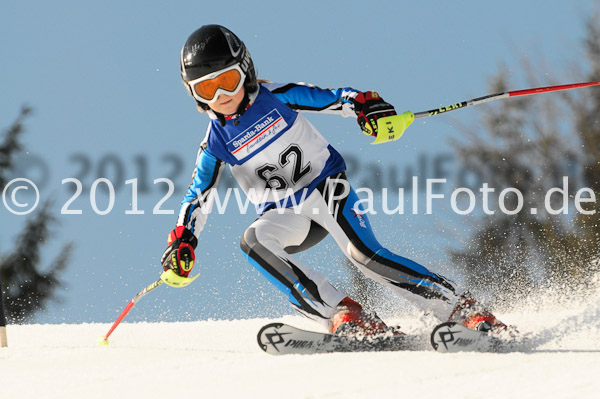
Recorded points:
(391, 128)
(498, 96)
(140, 295)
(169, 277)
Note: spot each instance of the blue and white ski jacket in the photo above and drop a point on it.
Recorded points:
(272, 150)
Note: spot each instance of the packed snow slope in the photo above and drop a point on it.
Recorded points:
(221, 359)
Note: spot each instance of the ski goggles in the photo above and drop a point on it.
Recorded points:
(227, 81)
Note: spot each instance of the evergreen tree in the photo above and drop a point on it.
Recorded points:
(25, 288)
(532, 144)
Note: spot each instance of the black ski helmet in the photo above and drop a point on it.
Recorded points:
(212, 48)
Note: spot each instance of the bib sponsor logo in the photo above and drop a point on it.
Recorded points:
(253, 138)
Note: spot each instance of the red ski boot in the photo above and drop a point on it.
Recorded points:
(350, 318)
(471, 314)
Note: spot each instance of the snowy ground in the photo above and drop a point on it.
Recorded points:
(221, 359)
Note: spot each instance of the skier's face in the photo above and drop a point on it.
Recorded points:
(226, 104)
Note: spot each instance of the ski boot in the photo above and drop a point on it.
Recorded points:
(351, 319)
(473, 315)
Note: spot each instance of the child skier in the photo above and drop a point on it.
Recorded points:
(277, 157)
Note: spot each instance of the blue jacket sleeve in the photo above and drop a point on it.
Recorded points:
(197, 203)
(306, 97)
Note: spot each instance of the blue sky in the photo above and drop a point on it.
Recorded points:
(103, 79)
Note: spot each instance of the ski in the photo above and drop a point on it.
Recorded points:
(283, 339)
(452, 337)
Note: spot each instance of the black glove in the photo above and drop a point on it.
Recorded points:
(369, 107)
(179, 255)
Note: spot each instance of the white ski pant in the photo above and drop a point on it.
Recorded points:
(331, 208)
